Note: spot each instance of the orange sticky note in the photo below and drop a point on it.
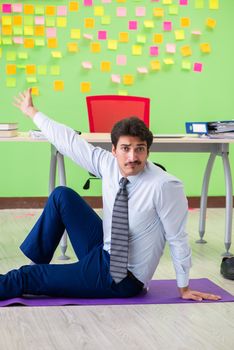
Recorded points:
(10, 69)
(211, 23)
(85, 86)
(95, 47)
(52, 43)
(105, 66)
(35, 91)
(28, 43)
(158, 38)
(58, 85)
(28, 9)
(155, 65)
(128, 79)
(39, 30)
(73, 6)
(186, 50)
(123, 37)
(7, 30)
(72, 47)
(50, 10)
(205, 48)
(89, 23)
(30, 69)
(185, 22)
(158, 12)
(17, 20)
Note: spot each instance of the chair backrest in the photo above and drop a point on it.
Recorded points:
(105, 110)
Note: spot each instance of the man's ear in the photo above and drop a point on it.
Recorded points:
(113, 150)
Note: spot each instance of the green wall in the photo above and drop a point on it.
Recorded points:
(176, 95)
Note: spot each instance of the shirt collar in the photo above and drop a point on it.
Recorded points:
(133, 178)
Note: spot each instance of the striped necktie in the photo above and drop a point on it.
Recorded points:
(119, 234)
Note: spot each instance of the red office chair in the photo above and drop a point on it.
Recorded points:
(105, 110)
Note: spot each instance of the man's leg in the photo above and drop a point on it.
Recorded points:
(64, 209)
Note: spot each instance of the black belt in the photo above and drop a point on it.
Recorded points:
(132, 277)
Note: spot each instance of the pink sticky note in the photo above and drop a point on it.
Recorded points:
(196, 32)
(171, 48)
(142, 70)
(132, 25)
(121, 11)
(88, 36)
(154, 51)
(197, 67)
(167, 26)
(183, 2)
(51, 32)
(140, 11)
(121, 60)
(106, 1)
(62, 10)
(18, 40)
(6, 8)
(102, 35)
(39, 20)
(116, 78)
(88, 2)
(87, 65)
(17, 7)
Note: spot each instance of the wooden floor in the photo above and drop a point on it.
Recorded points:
(180, 326)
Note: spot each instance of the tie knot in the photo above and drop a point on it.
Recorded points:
(123, 182)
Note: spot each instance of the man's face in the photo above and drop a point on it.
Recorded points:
(131, 154)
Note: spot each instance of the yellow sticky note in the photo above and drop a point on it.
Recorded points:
(10, 69)
(11, 56)
(185, 22)
(112, 44)
(42, 69)
(39, 42)
(167, 2)
(50, 10)
(158, 12)
(17, 30)
(168, 61)
(179, 34)
(75, 34)
(23, 55)
(128, 79)
(7, 30)
(72, 47)
(39, 9)
(105, 20)
(7, 41)
(61, 22)
(58, 85)
(0, 51)
(28, 9)
(17, 20)
(122, 93)
(73, 6)
(141, 39)
(55, 70)
(30, 69)
(186, 50)
(214, 4)
(31, 79)
(205, 47)
(211, 23)
(39, 30)
(105, 66)
(89, 22)
(28, 43)
(85, 86)
(98, 11)
(28, 20)
(186, 65)
(136, 50)
(50, 22)
(148, 24)
(35, 91)
(6, 20)
(52, 43)
(155, 65)
(120, 0)
(11, 82)
(158, 38)
(123, 37)
(28, 30)
(95, 47)
(56, 54)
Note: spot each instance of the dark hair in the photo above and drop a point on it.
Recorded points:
(132, 126)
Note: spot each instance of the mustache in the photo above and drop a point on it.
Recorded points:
(136, 162)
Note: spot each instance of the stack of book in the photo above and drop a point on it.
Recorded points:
(8, 129)
(216, 129)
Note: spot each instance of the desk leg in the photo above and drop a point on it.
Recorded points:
(228, 221)
(62, 182)
(203, 203)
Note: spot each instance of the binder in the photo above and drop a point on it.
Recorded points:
(213, 127)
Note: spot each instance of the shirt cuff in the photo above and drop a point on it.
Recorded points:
(182, 280)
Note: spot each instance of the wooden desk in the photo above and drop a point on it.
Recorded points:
(215, 147)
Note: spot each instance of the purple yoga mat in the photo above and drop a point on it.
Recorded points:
(160, 292)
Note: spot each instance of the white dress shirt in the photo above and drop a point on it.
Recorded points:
(157, 204)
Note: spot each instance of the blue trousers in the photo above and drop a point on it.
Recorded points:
(89, 277)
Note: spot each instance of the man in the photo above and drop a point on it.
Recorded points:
(139, 199)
